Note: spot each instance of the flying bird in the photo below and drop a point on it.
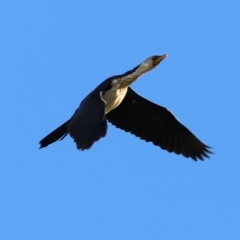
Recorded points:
(114, 101)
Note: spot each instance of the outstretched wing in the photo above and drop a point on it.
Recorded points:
(88, 124)
(156, 124)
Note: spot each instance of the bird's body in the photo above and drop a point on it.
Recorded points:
(115, 101)
(113, 98)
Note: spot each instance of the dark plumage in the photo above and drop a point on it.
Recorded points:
(115, 101)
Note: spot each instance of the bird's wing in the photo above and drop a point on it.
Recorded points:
(156, 124)
(88, 124)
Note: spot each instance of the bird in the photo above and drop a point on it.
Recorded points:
(114, 101)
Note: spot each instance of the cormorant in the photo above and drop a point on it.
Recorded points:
(114, 101)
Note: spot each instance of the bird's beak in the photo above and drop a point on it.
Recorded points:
(158, 59)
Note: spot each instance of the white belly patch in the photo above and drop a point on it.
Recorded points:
(113, 98)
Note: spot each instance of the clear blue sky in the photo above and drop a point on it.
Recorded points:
(52, 54)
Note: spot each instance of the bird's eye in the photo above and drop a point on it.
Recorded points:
(155, 58)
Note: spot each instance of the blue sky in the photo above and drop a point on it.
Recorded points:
(52, 54)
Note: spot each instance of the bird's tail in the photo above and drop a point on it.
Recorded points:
(59, 133)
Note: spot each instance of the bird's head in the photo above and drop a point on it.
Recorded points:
(154, 60)
(151, 62)
(157, 59)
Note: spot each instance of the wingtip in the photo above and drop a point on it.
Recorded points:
(204, 154)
